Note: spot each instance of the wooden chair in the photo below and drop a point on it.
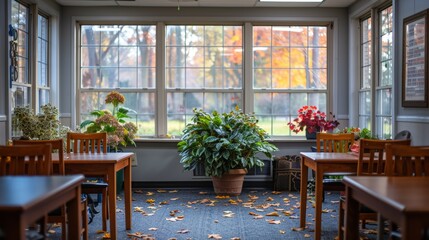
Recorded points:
(332, 142)
(60, 215)
(87, 142)
(371, 162)
(27, 160)
(406, 161)
(92, 143)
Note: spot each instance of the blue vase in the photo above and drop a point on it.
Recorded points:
(310, 136)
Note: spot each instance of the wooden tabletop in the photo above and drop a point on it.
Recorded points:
(403, 200)
(27, 199)
(331, 157)
(406, 194)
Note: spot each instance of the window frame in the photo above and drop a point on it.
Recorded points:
(161, 112)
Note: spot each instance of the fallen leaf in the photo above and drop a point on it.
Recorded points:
(138, 191)
(163, 203)
(138, 209)
(118, 210)
(258, 217)
(215, 236)
(161, 190)
(287, 213)
(183, 231)
(106, 236)
(202, 193)
(272, 221)
(282, 231)
(149, 193)
(51, 231)
(216, 221)
(272, 214)
(269, 199)
(222, 196)
(307, 235)
(335, 201)
(100, 231)
(253, 214)
(150, 200)
(297, 229)
(235, 238)
(118, 198)
(233, 202)
(153, 229)
(172, 219)
(173, 191)
(174, 199)
(276, 192)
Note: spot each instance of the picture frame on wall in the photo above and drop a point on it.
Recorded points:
(415, 60)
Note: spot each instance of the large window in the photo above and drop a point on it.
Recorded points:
(375, 95)
(165, 71)
(289, 71)
(123, 58)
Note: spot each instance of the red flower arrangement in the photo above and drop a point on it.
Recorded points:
(313, 120)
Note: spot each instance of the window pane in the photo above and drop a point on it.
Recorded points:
(208, 61)
(365, 103)
(20, 96)
(44, 97)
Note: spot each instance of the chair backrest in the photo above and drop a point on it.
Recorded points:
(407, 160)
(56, 144)
(405, 134)
(334, 142)
(372, 156)
(26, 160)
(87, 142)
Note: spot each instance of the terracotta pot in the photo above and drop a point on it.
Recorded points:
(230, 183)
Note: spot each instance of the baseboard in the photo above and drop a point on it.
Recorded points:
(197, 184)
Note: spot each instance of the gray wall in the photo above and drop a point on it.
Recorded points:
(414, 119)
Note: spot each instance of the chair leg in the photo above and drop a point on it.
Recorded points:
(85, 220)
(104, 210)
(63, 223)
(341, 221)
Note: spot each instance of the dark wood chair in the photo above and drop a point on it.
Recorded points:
(371, 162)
(27, 160)
(92, 143)
(334, 142)
(59, 169)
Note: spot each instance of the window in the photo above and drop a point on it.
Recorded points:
(21, 88)
(43, 84)
(203, 70)
(375, 95)
(365, 73)
(119, 57)
(385, 79)
(165, 71)
(289, 71)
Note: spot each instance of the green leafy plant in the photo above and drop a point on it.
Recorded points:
(221, 142)
(119, 131)
(42, 126)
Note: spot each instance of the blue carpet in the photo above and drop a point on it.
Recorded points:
(197, 213)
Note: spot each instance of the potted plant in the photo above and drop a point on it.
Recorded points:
(313, 120)
(224, 144)
(119, 131)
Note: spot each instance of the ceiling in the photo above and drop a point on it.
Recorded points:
(202, 3)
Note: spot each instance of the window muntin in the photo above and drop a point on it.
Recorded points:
(203, 69)
(290, 68)
(123, 58)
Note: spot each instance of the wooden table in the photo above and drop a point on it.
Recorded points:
(100, 164)
(403, 200)
(322, 162)
(27, 199)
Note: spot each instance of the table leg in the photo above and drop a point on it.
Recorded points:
(127, 193)
(74, 216)
(352, 216)
(318, 209)
(111, 178)
(303, 192)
